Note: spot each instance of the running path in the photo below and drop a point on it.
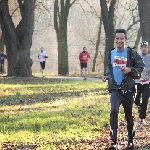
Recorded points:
(74, 78)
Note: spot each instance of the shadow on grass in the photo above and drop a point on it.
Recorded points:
(11, 146)
(18, 99)
(42, 96)
(68, 118)
(34, 80)
(30, 99)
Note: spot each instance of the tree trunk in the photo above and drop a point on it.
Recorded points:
(18, 40)
(137, 41)
(97, 44)
(1, 41)
(63, 68)
(144, 13)
(60, 24)
(107, 17)
(61, 12)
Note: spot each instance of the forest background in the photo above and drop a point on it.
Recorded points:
(84, 28)
(28, 102)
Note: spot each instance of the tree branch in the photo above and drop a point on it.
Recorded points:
(56, 9)
(81, 7)
(134, 22)
(20, 6)
(92, 8)
(72, 3)
(14, 10)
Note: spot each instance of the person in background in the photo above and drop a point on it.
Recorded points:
(84, 57)
(142, 84)
(124, 65)
(2, 58)
(42, 57)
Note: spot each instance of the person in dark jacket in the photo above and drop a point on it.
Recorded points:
(2, 58)
(124, 65)
(142, 84)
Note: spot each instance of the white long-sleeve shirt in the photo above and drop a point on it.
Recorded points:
(42, 56)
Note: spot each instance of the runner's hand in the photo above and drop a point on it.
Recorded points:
(104, 78)
(125, 70)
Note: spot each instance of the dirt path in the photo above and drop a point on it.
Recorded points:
(74, 78)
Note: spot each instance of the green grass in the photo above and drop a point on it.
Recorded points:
(90, 74)
(44, 112)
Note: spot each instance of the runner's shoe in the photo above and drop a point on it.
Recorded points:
(142, 121)
(113, 146)
(139, 109)
(130, 145)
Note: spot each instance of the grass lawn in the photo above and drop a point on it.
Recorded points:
(49, 114)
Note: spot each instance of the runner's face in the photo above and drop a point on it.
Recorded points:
(84, 48)
(41, 49)
(144, 49)
(120, 41)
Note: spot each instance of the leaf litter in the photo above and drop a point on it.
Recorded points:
(142, 138)
(141, 141)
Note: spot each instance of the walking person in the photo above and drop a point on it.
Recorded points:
(2, 58)
(124, 64)
(143, 85)
(84, 57)
(42, 57)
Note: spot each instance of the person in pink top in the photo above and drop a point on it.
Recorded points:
(84, 57)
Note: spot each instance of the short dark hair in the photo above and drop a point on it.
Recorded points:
(120, 31)
(84, 47)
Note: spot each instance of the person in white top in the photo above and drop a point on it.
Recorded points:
(42, 57)
(142, 84)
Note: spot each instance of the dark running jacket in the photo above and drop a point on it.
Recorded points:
(134, 61)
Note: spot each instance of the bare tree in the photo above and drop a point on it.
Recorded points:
(130, 22)
(144, 14)
(18, 39)
(61, 12)
(97, 44)
(1, 41)
(107, 12)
